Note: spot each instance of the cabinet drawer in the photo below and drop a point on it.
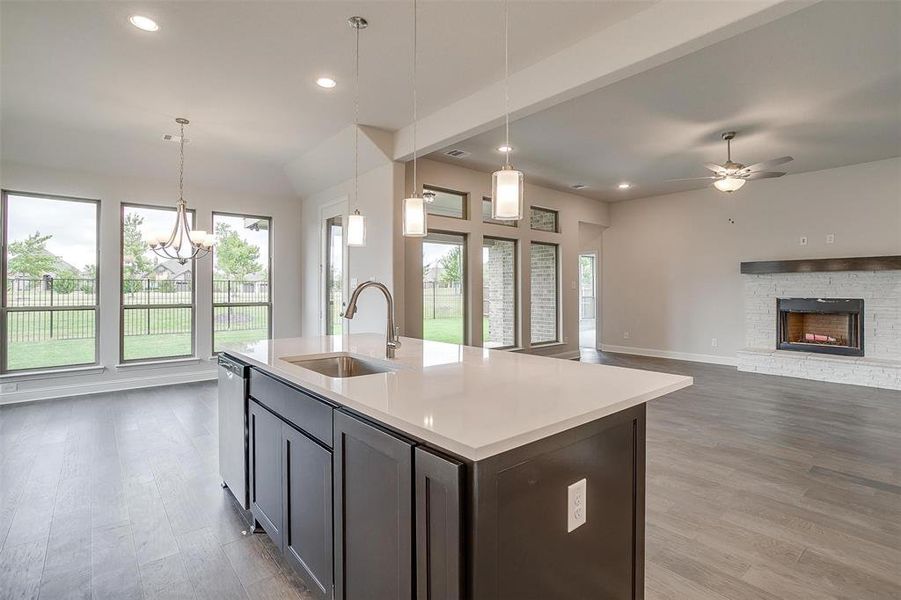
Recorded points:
(305, 412)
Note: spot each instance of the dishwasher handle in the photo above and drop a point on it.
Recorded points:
(232, 367)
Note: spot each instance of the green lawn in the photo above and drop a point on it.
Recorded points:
(447, 330)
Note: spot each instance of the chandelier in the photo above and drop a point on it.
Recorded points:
(183, 244)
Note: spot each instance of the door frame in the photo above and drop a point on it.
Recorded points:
(337, 208)
(597, 320)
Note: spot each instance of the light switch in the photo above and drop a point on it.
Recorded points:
(830, 238)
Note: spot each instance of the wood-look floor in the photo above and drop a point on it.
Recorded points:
(759, 488)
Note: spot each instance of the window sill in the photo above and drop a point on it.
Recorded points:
(48, 373)
(546, 345)
(166, 362)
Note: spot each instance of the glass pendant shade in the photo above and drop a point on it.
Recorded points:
(506, 194)
(183, 243)
(356, 229)
(729, 184)
(414, 217)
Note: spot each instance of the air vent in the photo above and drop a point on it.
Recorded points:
(457, 153)
(578, 186)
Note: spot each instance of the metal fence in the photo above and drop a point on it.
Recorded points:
(145, 311)
(441, 301)
(51, 291)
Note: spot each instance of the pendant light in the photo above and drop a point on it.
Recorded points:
(506, 184)
(183, 244)
(356, 223)
(414, 207)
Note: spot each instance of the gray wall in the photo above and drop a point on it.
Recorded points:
(670, 264)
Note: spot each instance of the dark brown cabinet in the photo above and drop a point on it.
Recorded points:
(308, 510)
(373, 492)
(439, 526)
(266, 471)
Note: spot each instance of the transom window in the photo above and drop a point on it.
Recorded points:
(447, 203)
(543, 219)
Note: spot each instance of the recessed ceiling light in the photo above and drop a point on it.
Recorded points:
(143, 23)
(505, 149)
(624, 185)
(326, 82)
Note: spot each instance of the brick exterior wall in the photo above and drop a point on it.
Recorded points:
(544, 293)
(543, 220)
(881, 293)
(500, 293)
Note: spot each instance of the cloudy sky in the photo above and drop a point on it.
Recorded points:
(73, 227)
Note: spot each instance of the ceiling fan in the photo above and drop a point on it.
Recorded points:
(731, 176)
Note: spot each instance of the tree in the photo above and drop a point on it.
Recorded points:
(136, 265)
(29, 257)
(450, 267)
(64, 282)
(235, 258)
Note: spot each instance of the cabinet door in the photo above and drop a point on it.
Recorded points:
(266, 471)
(373, 513)
(308, 510)
(439, 526)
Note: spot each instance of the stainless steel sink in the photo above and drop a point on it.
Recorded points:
(340, 366)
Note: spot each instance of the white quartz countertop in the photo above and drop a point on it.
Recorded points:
(470, 401)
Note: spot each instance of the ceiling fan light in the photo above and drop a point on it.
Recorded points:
(729, 184)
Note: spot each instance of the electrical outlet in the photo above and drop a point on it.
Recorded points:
(8, 388)
(713, 342)
(574, 286)
(625, 335)
(830, 238)
(577, 505)
(803, 240)
(353, 282)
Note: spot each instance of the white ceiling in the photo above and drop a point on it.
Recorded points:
(83, 89)
(822, 85)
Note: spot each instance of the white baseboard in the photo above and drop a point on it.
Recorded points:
(110, 385)
(689, 356)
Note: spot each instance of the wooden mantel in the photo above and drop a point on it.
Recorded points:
(820, 265)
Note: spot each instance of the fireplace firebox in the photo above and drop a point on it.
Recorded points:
(824, 325)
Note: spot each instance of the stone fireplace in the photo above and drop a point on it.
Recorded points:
(823, 325)
(836, 320)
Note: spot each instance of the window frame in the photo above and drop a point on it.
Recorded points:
(465, 202)
(557, 293)
(216, 305)
(464, 276)
(193, 306)
(516, 291)
(556, 214)
(5, 310)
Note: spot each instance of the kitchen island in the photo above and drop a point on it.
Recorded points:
(448, 471)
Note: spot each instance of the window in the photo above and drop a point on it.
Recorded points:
(499, 293)
(242, 297)
(446, 203)
(486, 215)
(544, 293)
(48, 313)
(157, 318)
(543, 219)
(334, 274)
(443, 293)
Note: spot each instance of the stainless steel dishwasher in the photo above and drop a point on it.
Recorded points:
(233, 427)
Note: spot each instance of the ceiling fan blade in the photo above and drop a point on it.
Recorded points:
(714, 167)
(764, 175)
(693, 178)
(767, 164)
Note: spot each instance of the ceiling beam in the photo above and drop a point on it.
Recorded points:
(664, 32)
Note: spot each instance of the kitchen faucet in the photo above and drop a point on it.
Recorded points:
(392, 342)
